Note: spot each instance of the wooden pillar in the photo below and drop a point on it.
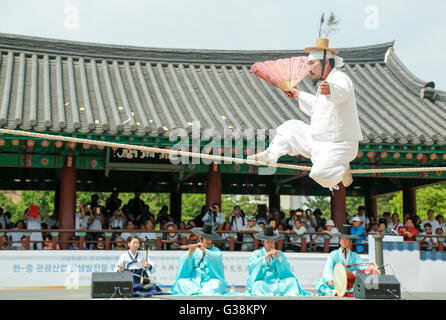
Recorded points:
(256, 243)
(280, 245)
(409, 200)
(67, 200)
(326, 245)
(303, 243)
(175, 201)
(232, 244)
(57, 198)
(338, 206)
(213, 185)
(274, 198)
(371, 206)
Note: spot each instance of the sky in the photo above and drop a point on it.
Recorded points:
(417, 27)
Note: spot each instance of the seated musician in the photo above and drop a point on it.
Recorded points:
(344, 255)
(269, 270)
(138, 263)
(201, 270)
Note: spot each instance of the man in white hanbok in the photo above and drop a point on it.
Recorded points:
(331, 140)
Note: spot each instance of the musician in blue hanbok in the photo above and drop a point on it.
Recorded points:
(140, 265)
(201, 270)
(344, 255)
(269, 270)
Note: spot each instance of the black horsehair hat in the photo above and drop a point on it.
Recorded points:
(268, 234)
(346, 232)
(206, 232)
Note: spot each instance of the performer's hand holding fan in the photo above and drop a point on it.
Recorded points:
(282, 73)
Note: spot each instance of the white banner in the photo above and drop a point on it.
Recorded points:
(72, 269)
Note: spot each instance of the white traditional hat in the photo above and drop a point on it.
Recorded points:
(317, 52)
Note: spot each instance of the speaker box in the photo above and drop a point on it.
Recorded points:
(376, 287)
(108, 284)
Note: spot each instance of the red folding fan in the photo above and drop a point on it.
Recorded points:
(282, 73)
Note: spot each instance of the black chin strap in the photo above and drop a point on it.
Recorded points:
(315, 82)
(323, 65)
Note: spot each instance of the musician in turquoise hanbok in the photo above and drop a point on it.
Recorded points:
(269, 270)
(344, 255)
(201, 270)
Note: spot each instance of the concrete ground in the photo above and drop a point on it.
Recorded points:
(85, 294)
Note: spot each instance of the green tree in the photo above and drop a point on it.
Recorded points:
(433, 197)
(246, 203)
(352, 204)
(387, 204)
(44, 199)
(191, 205)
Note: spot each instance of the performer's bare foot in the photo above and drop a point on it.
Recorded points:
(347, 179)
(265, 157)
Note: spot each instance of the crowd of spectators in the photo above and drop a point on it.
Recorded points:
(136, 219)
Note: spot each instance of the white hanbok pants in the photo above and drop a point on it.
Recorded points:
(330, 159)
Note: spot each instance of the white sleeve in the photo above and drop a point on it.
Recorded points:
(119, 264)
(306, 102)
(340, 89)
(149, 261)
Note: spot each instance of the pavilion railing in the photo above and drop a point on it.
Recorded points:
(88, 237)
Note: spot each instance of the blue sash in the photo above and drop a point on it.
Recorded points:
(132, 260)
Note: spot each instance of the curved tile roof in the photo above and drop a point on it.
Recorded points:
(55, 85)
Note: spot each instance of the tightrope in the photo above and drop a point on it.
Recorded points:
(203, 155)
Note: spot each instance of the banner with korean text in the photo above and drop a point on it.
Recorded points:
(72, 269)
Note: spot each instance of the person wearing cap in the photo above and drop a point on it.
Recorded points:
(331, 139)
(248, 239)
(331, 230)
(261, 223)
(171, 240)
(358, 230)
(269, 269)
(344, 255)
(75, 245)
(201, 270)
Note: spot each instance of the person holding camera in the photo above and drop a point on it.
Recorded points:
(95, 221)
(117, 219)
(237, 222)
(81, 219)
(214, 217)
(248, 239)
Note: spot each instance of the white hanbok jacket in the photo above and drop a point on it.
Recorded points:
(334, 117)
(127, 257)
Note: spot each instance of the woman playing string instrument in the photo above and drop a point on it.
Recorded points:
(138, 263)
